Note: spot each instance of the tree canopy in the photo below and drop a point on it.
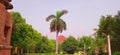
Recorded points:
(23, 35)
(70, 45)
(110, 25)
(57, 24)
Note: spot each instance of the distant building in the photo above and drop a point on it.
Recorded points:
(61, 38)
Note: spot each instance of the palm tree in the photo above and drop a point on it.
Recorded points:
(57, 24)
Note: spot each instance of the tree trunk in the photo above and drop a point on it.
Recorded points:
(56, 43)
(84, 49)
(109, 46)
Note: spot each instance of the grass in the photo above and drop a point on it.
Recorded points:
(43, 54)
(46, 54)
(51, 54)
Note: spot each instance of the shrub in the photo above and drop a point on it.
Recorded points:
(70, 45)
(116, 53)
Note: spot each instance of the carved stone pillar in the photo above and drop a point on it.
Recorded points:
(5, 50)
(5, 27)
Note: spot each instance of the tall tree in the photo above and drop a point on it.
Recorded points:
(57, 24)
(107, 28)
(88, 43)
(111, 25)
(23, 34)
(115, 42)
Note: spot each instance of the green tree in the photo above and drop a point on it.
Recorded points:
(23, 35)
(18, 22)
(106, 26)
(88, 43)
(70, 45)
(115, 42)
(101, 44)
(43, 46)
(52, 44)
(110, 25)
(57, 24)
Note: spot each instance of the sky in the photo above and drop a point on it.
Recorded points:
(82, 17)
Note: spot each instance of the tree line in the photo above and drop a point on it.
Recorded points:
(25, 39)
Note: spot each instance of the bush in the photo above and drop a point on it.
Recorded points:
(43, 46)
(116, 53)
(43, 54)
(70, 45)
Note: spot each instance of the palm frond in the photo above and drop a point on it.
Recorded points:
(57, 24)
(60, 13)
(61, 25)
(63, 12)
(53, 25)
(50, 17)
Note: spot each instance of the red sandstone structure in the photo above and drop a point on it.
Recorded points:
(5, 27)
(61, 38)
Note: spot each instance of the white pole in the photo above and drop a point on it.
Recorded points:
(109, 46)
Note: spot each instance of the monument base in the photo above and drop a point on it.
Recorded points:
(5, 50)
